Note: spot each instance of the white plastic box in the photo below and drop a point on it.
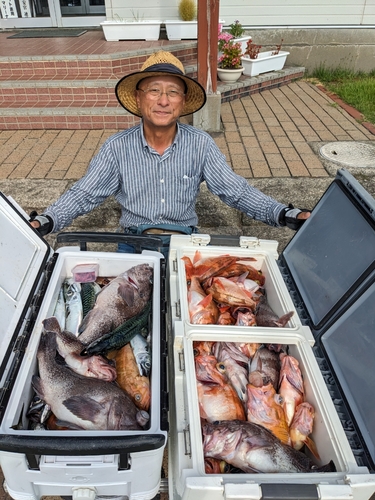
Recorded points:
(332, 336)
(35, 463)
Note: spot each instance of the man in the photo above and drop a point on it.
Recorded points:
(154, 169)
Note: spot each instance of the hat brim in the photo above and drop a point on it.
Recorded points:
(195, 97)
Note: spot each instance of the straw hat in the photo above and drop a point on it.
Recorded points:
(160, 63)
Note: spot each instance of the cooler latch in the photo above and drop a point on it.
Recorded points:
(200, 240)
(249, 242)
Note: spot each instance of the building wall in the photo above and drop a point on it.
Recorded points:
(258, 12)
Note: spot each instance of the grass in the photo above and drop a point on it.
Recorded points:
(356, 89)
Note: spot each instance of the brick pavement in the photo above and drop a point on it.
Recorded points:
(268, 134)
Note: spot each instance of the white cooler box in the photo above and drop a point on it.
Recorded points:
(81, 463)
(326, 275)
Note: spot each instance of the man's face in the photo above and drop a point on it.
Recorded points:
(161, 110)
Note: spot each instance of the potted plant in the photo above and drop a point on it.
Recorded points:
(255, 62)
(187, 26)
(135, 29)
(236, 31)
(229, 63)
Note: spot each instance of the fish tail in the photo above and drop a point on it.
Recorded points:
(312, 447)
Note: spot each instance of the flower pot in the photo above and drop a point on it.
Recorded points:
(229, 75)
(131, 30)
(179, 30)
(263, 63)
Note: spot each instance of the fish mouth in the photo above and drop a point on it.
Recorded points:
(133, 283)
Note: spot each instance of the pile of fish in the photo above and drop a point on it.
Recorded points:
(253, 410)
(228, 290)
(94, 356)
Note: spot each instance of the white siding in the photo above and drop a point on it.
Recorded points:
(259, 12)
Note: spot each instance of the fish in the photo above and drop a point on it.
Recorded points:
(301, 428)
(236, 372)
(253, 448)
(59, 311)
(202, 308)
(142, 354)
(217, 398)
(265, 316)
(214, 466)
(130, 379)
(219, 402)
(225, 291)
(267, 364)
(246, 319)
(264, 407)
(206, 267)
(73, 306)
(249, 348)
(82, 402)
(69, 347)
(236, 269)
(290, 385)
(121, 335)
(245, 282)
(89, 292)
(122, 298)
(225, 316)
(202, 347)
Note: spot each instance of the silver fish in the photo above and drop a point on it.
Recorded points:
(73, 306)
(141, 350)
(83, 402)
(227, 353)
(69, 348)
(253, 448)
(59, 311)
(121, 299)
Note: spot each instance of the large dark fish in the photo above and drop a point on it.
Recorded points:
(252, 448)
(82, 402)
(265, 316)
(124, 297)
(69, 348)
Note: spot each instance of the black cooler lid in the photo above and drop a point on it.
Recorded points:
(333, 254)
(23, 256)
(349, 345)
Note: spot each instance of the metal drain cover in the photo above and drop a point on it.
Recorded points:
(351, 154)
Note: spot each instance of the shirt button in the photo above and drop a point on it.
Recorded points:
(162, 200)
(161, 180)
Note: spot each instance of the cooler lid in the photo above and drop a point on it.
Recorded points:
(334, 251)
(350, 348)
(22, 259)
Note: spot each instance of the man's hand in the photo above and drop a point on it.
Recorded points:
(293, 217)
(42, 223)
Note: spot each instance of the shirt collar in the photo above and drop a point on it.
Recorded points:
(144, 142)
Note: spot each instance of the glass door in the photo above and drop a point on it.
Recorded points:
(82, 7)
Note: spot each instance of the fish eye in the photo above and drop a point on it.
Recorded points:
(220, 367)
(195, 352)
(137, 397)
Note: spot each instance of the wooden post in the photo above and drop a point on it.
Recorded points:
(208, 22)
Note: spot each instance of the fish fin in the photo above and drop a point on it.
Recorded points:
(37, 384)
(206, 301)
(283, 320)
(312, 447)
(82, 327)
(197, 256)
(126, 292)
(83, 407)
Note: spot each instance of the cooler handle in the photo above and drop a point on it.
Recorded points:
(78, 445)
(289, 491)
(138, 240)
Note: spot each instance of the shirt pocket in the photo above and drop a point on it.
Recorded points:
(186, 188)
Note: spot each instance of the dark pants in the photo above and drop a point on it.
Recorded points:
(142, 229)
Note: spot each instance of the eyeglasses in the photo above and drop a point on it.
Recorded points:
(155, 93)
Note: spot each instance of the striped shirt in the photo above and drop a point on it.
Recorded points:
(160, 189)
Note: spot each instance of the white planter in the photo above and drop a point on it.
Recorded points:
(243, 41)
(265, 62)
(229, 75)
(131, 30)
(179, 30)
